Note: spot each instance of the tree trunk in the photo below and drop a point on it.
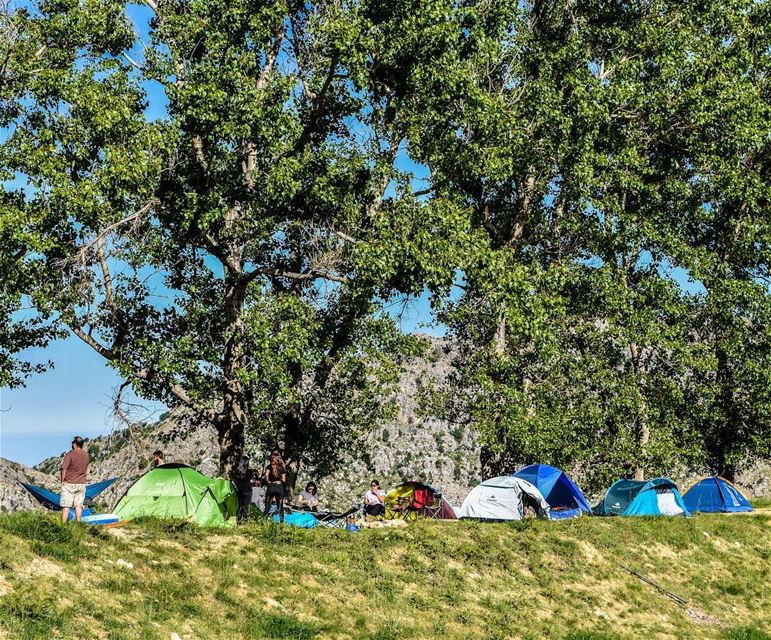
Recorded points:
(643, 436)
(720, 446)
(499, 339)
(643, 433)
(231, 441)
(492, 463)
(232, 423)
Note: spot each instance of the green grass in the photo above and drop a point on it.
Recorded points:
(558, 580)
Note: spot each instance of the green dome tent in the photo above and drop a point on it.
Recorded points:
(178, 491)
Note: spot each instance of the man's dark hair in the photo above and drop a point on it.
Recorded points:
(158, 453)
(374, 482)
(78, 442)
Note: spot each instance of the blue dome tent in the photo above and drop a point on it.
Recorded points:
(657, 497)
(715, 495)
(561, 493)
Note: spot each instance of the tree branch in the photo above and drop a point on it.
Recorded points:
(108, 289)
(81, 254)
(311, 274)
(103, 351)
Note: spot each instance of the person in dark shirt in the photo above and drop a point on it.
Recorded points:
(158, 458)
(275, 477)
(243, 483)
(74, 470)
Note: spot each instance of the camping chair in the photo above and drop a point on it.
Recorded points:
(433, 509)
(333, 520)
(401, 510)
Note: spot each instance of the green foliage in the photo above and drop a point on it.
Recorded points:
(575, 137)
(227, 212)
(218, 212)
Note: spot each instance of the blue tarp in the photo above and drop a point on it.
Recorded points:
(50, 499)
(300, 519)
(657, 497)
(715, 495)
(560, 492)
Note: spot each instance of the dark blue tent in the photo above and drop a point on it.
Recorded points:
(715, 495)
(50, 499)
(561, 493)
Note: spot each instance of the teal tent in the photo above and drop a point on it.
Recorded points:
(657, 497)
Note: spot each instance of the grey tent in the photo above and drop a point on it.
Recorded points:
(503, 498)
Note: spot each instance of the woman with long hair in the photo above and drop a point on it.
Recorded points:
(275, 479)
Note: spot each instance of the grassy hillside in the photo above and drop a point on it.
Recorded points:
(449, 580)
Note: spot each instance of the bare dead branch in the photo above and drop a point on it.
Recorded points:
(106, 276)
(311, 274)
(80, 256)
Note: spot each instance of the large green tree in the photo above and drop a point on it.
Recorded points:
(720, 198)
(585, 140)
(213, 205)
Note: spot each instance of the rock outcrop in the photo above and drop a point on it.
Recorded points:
(14, 497)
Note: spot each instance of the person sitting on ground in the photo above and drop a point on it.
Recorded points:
(258, 493)
(158, 458)
(275, 477)
(309, 499)
(74, 470)
(374, 500)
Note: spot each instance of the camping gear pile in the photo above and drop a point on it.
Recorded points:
(415, 499)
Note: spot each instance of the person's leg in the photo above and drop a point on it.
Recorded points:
(280, 497)
(78, 497)
(66, 501)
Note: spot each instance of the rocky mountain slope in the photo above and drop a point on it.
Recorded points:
(408, 447)
(13, 497)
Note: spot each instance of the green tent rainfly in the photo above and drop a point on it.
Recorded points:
(178, 491)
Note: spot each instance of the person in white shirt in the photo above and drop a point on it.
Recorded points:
(374, 500)
(309, 499)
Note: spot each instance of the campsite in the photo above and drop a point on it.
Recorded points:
(388, 319)
(173, 562)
